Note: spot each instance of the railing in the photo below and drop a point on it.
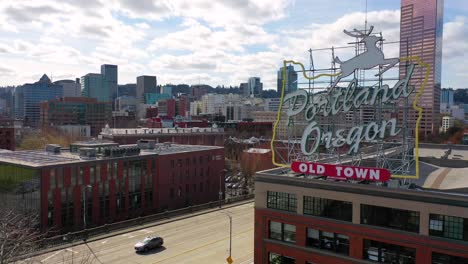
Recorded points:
(79, 236)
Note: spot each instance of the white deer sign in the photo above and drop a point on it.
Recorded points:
(369, 59)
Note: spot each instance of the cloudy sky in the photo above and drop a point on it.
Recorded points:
(197, 41)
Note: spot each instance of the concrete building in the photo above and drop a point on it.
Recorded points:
(272, 104)
(243, 87)
(71, 88)
(115, 182)
(27, 99)
(456, 111)
(212, 103)
(421, 35)
(191, 136)
(145, 85)
(75, 131)
(291, 80)
(447, 122)
(126, 103)
(76, 111)
(309, 219)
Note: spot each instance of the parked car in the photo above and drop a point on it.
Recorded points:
(149, 243)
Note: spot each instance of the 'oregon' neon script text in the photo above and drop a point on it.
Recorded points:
(342, 101)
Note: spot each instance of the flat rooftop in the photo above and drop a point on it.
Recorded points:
(433, 179)
(42, 158)
(157, 131)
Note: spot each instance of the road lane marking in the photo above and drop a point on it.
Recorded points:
(71, 250)
(207, 244)
(103, 242)
(53, 255)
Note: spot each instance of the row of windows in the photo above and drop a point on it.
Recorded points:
(406, 220)
(374, 251)
(282, 201)
(187, 161)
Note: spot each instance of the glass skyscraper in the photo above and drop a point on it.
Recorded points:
(110, 77)
(291, 80)
(28, 97)
(421, 35)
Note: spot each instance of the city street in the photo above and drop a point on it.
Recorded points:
(199, 239)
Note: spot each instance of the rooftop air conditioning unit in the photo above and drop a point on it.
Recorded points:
(146, 144)
(87, 153)
(53, 148)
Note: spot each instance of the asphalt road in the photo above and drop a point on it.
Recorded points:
(200, 239)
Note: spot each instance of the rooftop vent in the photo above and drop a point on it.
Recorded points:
(146, 144)
(53, 148)
(87, 153)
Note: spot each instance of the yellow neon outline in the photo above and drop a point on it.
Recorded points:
(415, 107)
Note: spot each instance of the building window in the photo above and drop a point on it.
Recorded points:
(388, 253)
(281, 201)
(172, 164)
(274, 258)
(329, 208)
(282, 232)
(439, 258)
(390, 217)
(448, 226)
(327, 241)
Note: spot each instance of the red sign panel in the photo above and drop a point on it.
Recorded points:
(341, 171)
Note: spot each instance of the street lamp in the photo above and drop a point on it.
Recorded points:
(221, 173)
(230, 235)
(84, 204)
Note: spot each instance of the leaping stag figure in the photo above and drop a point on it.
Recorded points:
(369, 59)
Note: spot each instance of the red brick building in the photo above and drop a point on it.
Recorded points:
(301, 219)
(117, 182)
(191, 136)
(9, 128)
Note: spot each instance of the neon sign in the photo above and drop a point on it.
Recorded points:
(309, 106)
(342, 101)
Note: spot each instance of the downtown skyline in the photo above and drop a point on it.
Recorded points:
(196, 41)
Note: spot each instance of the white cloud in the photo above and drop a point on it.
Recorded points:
(217, 42)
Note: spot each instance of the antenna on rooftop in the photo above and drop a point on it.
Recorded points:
(365, 22)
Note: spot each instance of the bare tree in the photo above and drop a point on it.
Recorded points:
(18, 235)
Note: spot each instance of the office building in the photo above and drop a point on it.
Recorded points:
(310, 219)
(116, 182)
(254, 87)
(421, 35)
(76, 111)
(291, 80)
(446, 97)
(92, 86)
(71, 88)
(27, 99)
(447, 122)
(126, 104)
(110, 77)
(128, 89)
(243, 88)
(146, 84)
